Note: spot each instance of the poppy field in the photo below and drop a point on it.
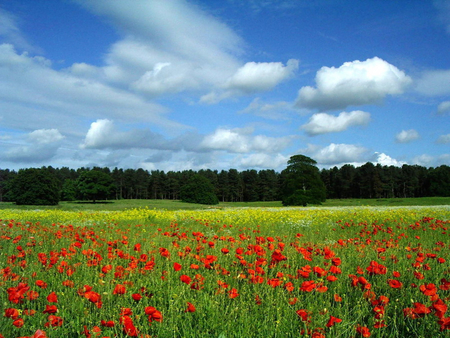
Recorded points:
(249, 272)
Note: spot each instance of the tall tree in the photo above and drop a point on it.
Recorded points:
(199, 190)
(95, 185)
(35, 187)
(301, 182)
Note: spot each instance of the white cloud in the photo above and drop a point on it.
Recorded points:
(353, 83)
(262, 161)
(240, 140)
(443, 139)
(35, 95)
(434, 83)
(386, 160)
(271, 111)
(322, 123)
(406, 136)
(45, 136)
(336, 154)
(11, 33)
(40, 145)
(102, 134)
(444, 108)
(251, 78)
(424, 160)
(168, 46)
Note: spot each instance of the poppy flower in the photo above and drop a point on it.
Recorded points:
(18, 322)
(177, 266)
(190, 307)
(185, 279)
(153, 314)
(428, 289)
(233, 293)
(332, 321)
(54, 321)
(50, 309)
(119, 290)
(52, 298)
(41, 284)
(11, 313)
(304, 315)
(136, 297)
(363, 331)
(109, 323)
(308, 286)
(395, 284)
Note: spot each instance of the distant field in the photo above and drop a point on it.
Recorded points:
(177, 205)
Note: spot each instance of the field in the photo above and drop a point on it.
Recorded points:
(347, 271)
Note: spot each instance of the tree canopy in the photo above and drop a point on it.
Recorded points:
(95, 185)
(35, 187)
(199, 190)
(301, 182)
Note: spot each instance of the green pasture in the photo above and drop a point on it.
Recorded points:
(117, 205)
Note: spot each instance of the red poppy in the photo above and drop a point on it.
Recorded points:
(233, 293)
(177, 266)
(153, 314)
(332, 321)
(41, 284)
(108, 323)
(428, 289)
(395, 284)
(18, 322)
(11, 313)
(308, 286)
(190, 307)
(54, 321)
(185, 279)
(119, 290)
(50, 309)
(363, 331)
(136, 297)
(304, 315)
(52, 298)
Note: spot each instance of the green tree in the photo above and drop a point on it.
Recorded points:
(198, 190)
(301, 182)
(95, 185)
(35, 187)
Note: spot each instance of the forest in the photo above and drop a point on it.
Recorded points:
(348, 181)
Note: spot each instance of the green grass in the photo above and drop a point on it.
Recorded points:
(178, 205)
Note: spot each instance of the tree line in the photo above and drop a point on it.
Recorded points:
(348, 181)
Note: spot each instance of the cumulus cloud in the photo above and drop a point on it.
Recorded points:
(352, 84)
(251, 78)
(444, 108)
(40, 145)
(386, 160)
(443, 139)
(322, 123)
(167, 46)
(406, 136)
(240, 140)
(434, 83)
(337, 154)
(102, 134)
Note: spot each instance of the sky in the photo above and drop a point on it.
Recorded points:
(217, 84)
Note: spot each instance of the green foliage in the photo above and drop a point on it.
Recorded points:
(35, 187)
(301, 182)
(95, 185)
(198, 190)
(69, 190)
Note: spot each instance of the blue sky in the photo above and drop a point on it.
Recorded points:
(219, 84)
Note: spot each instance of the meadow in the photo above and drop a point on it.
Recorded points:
(347, 271)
